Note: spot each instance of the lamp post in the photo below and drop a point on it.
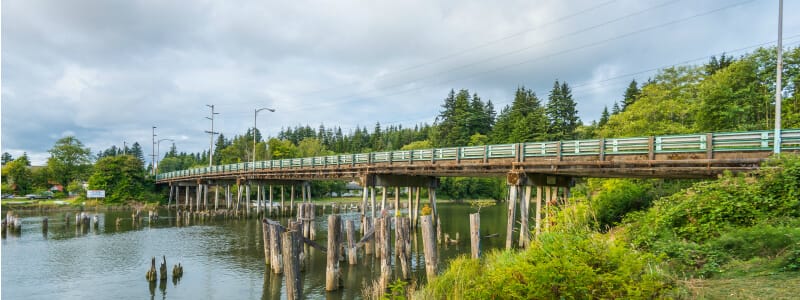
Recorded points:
(255, 127)
(153, 155)
(158, 152)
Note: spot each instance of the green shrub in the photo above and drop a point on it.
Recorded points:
(557, 266)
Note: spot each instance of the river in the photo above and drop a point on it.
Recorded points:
(222, 259)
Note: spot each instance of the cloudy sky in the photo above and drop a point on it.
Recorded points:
(107, 71)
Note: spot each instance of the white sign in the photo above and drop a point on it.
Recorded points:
(95, 194)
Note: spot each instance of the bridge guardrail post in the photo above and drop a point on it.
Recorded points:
(651, 154)
(709, 145)
(558, 150)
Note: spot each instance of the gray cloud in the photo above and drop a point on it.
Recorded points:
(106, 71)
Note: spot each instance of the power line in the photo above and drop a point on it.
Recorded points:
(517, 64)
(473, 48)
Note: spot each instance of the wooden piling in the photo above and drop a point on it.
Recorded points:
(275, 233)
(291, 264)
(538, 211)
(163, 268)
(312, 216)
(283, 207)
(369, 225)
(415, 221)
(403, 246)
(429, 246)
(332, 273)
(512, 201)
(524, 229)
(265, 237)
(386, 258)
(291, 199)
(396, 201)
(410, 211)
(44, 225)
(352, 251)
(383, 198)
(270, 200)
(475, 234)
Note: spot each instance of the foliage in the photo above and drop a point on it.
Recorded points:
(69, 160)
(615, 198)
(460, 188)
(557, 266)
(462, 116)
(665, 106)
(480, 204)
(561, 113)
(397, 290)
(122, 177)
(734, 217)
(18, 175)
(418, 145)
(523, 121)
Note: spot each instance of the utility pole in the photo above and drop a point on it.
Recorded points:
(124, 148)
(153, 156)
(778, 87)
(212, 133)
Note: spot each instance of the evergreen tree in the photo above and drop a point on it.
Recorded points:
(631, 93)
(715, 65)
(615, 109)
(7, 158)
(561, 112)
(136, 152)
(524, 120)
(604, 117)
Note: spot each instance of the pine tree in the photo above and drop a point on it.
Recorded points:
(136, 152)
(615, 109)
(631, 93)
(561, 112)
(7, 158)
(603, 117)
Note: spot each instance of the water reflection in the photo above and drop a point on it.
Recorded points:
(224, 258)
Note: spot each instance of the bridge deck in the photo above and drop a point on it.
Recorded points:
(676, 156)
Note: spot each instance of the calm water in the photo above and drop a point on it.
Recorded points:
(222, 259)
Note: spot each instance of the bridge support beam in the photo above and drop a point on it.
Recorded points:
(520, 190)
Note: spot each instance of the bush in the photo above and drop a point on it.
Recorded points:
(557, 266)
(737, 217)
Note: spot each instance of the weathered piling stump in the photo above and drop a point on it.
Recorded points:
(177, 271)
(96, 221)
(44, 225)
(474, 234)
(151, 274)
(332, 272)
(312, 215)
(291, 264)
(275, 233)
(369, 227)
(429, 246)
(163, 268)
(386, 256)
(403, 245)
(265, 236)
(352, 251)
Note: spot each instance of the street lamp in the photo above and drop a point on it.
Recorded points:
(158, 152)
(255, 127)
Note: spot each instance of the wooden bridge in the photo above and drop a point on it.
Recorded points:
(547, 166)
(671, 156)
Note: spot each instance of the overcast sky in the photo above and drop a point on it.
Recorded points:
(107, 71)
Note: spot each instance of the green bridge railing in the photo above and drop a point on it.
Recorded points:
(688, 143)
